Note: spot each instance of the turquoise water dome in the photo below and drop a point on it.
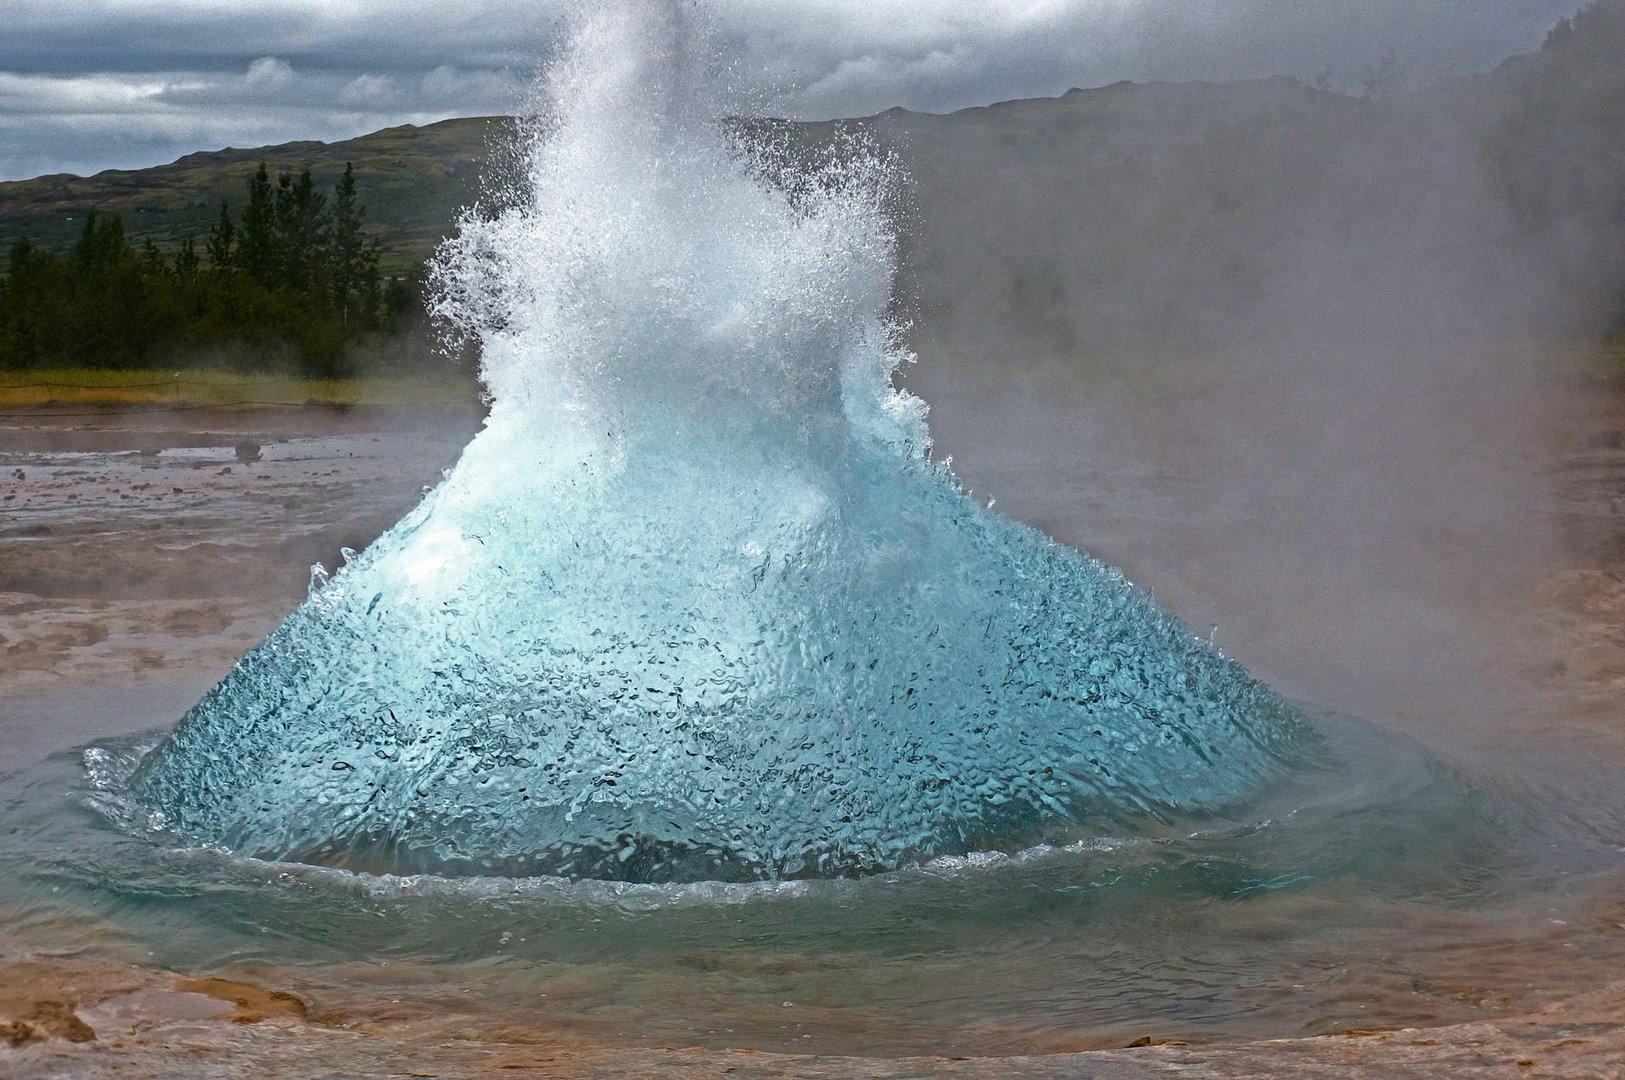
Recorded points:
(696, 604)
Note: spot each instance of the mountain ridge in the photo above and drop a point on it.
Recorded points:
(412, 177)
(1226, 218)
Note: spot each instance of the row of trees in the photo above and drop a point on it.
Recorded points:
(290, 238)
(292, 281)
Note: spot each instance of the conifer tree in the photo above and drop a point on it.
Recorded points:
(186, 261)
(293, 274)
(256, 236)
(151, 257)
(355, 285)
(220, 239)
(301, 232)
(101, 246)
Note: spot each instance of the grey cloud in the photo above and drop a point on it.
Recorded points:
(268, 75)
(182, 74)
(372, 91)
(962, 58)
(269, 80)
(43, 37)
(87, 123)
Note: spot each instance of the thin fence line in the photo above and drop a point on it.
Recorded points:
(86, 386)
(44, 408)
(223, 383)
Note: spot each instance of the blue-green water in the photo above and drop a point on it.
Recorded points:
(696, 604)
(1356, 894)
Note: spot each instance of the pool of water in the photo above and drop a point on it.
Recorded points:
(1383, 887)
(1455, 855)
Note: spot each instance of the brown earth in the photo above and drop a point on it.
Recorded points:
(105, 1021)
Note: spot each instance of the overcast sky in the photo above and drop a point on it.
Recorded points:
(93, 84)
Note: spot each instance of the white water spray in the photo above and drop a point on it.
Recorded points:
(695, 604)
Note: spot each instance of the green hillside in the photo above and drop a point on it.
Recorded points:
(412, 180)
(1221, 220)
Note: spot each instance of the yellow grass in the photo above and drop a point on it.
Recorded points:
(1611, 362)
(47, 387)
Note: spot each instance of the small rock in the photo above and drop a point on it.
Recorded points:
(57, 1019)
(17, 1033)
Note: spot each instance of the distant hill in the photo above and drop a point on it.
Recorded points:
(1268, 217)
(1271, 218)
(1226, 219)
(412, 181)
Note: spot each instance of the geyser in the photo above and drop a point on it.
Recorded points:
(695, 603)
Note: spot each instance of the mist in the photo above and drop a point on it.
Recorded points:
(1302, 362)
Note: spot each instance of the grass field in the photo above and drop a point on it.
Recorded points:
(1610, 362)
(201, 388)
(46, 388)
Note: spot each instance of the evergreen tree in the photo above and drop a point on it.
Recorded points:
(186, 261)
(256, 237)
(107, 295)
(28, 305)
(293, 275)
(354, 274)
(302, 233)
(152, 258)
(220, 239)
(100, 247)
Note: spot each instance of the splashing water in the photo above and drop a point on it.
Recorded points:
(695, 604)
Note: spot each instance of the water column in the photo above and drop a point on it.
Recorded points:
(696, 603)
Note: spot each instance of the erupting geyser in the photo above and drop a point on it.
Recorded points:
(695, 604)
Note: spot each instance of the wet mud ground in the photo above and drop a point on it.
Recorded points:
(142, 553)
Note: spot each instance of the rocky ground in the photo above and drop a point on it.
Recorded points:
(131, 541)
(74, 1020)
(143, 552)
